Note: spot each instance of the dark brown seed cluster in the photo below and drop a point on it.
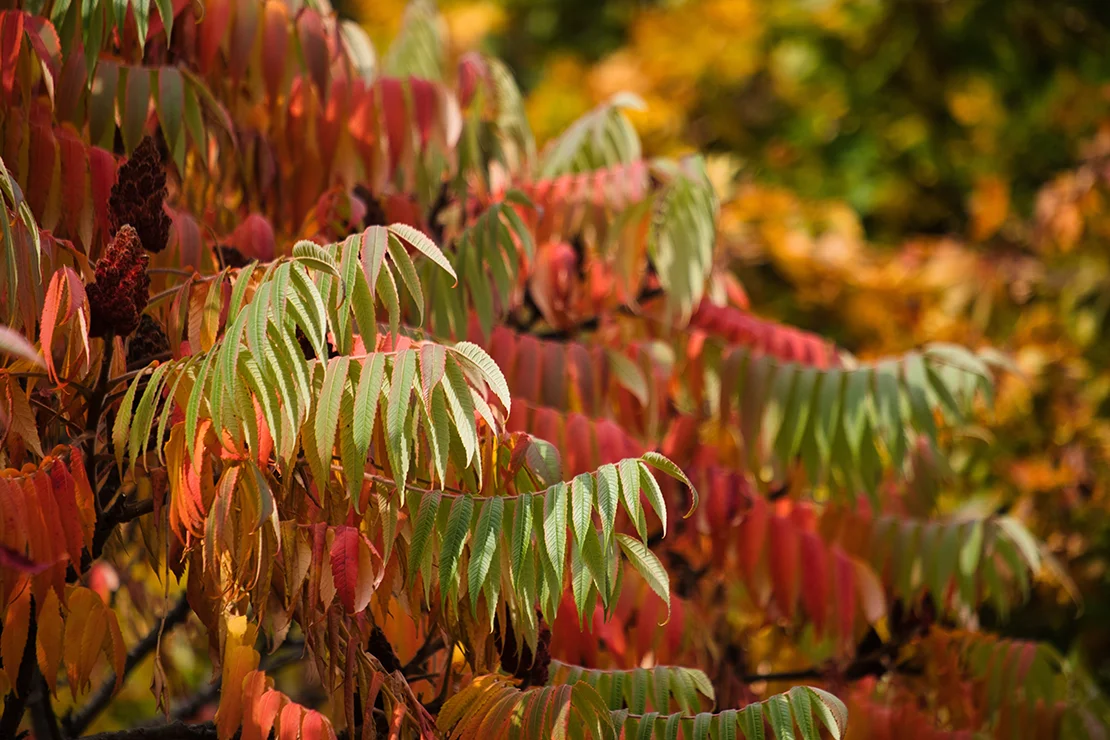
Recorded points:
(149, 341)
(138, 195)
(523, 665)
(122, 287)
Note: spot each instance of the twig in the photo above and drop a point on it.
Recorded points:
(174, 731)
(58, 415)
(85, 390)
(433, 643)
(78, 721)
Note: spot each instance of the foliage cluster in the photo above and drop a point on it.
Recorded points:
(333, 361)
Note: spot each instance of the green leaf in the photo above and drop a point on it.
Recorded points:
(433, 361)
(400, 393)
(831, 711)
(522, 536)
(751, 721)
(420, 241)
(327, 409)
(165, 10)
(477, 358)
(144, 416)
(313, 255)
(662, 464)
(482, 547)
(628, 374)
(581, 505)
(461, 405)
(778, 712)
(458, 526)
(803, 714)
(407, 270)
(629, 473)
(608, 494)
(647, 564)
(422, 533)
(123, 419)
(654, 495)
(366, 401)
(555, 528)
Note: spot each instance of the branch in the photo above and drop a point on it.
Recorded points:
(211, 692)
(433, 643)
(43, 719)
(76, 722)
(174, 731)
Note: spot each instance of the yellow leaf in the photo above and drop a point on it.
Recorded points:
(50, 627)
(86, 627)
(116, 651)
(239, 659)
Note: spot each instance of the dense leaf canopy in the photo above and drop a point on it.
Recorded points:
(313, 356)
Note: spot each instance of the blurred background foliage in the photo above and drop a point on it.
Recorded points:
(892, 172)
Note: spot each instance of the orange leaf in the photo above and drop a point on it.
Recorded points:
(239, 659)
(83, 494)
(65, 288)
(61, 486)
(289, 725)
(12, 641)
(316, 726)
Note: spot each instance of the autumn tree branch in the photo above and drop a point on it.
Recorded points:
(173, 731)
(76, 722)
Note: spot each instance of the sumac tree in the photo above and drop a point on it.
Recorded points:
(313, 355)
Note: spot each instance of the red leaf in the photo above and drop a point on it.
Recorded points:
(44, 152)
(102, 167)
(783, 559)
(217, 15)
(815, 580)
(244, 31)
(349, 564)
(845, 592)
(581, 449)
(61, 484)
(275, 40)
(314, 46)
(753, 533)
(11, 40)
